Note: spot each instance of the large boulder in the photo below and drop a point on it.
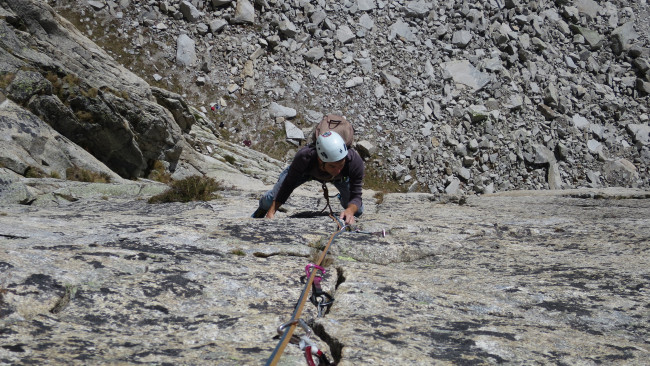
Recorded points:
(27, 143)
(80, 91)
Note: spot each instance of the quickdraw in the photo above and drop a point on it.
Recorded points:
(321, 299)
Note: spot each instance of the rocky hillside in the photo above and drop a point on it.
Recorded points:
(446, 97)
(451, 96)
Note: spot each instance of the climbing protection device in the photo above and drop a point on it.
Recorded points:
(306, 344)
(321, 299)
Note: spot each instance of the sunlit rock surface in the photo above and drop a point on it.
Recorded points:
(519, 278)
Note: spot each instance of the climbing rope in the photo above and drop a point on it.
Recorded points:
(327, 199)
(319, 299)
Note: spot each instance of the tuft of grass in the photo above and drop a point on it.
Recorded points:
(3, 291)
(118, 93)
(6, 79)
(377, 181)
(194, 188)
(34, 172)
(379, 197)
(84, 116)
(159, 173)
(71, 79)
(230, 159)
(53, 78)
(84, 175)
(238, 252)
(90, 93)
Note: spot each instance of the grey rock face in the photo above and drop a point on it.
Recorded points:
(28, 143)
(26, 84)
(500, 278)
(82, 93)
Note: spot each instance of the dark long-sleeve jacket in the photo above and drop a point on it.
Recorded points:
(305, 164)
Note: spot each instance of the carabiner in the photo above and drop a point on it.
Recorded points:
(294, 338)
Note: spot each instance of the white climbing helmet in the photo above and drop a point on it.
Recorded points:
(330, 147)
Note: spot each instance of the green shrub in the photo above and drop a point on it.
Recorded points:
(230, 159)
(83, 175)
(239, 252)
(194, 188)
(159, 173)
(34, 172)
(84, 116)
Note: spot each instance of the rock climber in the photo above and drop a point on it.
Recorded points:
(329, 160)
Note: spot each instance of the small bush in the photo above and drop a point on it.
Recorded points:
(230, 159)
(194, 188)
(34, 172)
(159, 173)
(238, 252)
(84, 116)
(83, 175)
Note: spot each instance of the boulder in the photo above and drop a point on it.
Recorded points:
(185, 51)
(81, 91)
(620, 172)
(244, 13)
(31, 146)
(277, 110)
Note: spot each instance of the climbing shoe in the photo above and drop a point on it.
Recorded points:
(259, 213)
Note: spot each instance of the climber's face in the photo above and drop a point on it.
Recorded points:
(333, 168)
